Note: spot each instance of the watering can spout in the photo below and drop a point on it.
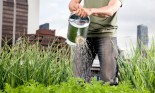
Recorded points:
(77, 27)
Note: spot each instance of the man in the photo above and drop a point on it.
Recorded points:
(101, 37)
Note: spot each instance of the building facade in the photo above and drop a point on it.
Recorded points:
(18, 17)
(14, 14)
(33, 16)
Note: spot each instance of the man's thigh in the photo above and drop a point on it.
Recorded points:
(107, 51)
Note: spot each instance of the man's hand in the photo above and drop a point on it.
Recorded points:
(74, 5)
(83, 12)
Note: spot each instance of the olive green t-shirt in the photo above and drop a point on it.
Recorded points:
(99, 26)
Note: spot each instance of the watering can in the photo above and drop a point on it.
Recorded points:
(78, 26)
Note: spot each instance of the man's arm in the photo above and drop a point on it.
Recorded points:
(74, 5)
(108, 10)
(105, 11)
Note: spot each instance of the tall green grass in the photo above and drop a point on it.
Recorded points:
(24, 62)
(140, 68)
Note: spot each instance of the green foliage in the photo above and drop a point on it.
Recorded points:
(24, 61)
(139, 69)
(73, 86)
(30, 68)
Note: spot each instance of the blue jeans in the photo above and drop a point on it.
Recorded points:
(107, 51)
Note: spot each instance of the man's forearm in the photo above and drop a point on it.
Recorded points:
(108, 10)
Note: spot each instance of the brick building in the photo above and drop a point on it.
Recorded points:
(14, 19)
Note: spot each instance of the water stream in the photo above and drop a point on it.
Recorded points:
(83, 57)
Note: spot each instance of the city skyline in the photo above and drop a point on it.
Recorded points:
(57, 13)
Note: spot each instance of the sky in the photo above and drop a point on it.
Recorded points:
(133, 13)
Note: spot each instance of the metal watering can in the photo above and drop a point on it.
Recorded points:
(78, 26)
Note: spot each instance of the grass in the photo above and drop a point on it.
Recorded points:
(73, 86)
(140, 68)
(24, 62)
(50, 68)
